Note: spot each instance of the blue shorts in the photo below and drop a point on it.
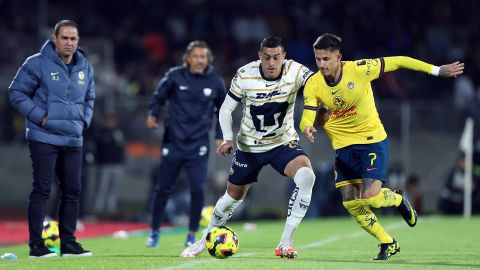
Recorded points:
(360, 161)
(246, 166)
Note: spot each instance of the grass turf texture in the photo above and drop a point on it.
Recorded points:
(329, 243)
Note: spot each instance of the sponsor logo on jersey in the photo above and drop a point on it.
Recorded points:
(350, 85)
(269, 95)
(344, 113)
(268, 85)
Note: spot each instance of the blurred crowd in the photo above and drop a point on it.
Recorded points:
(149, 36)
(133, 43)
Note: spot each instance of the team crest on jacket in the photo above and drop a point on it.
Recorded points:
(203, 150)
(81, 77)
(207, 91)
(350, 85)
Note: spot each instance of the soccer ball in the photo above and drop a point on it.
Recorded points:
(221, 242)
(51, 236)
(207, 213)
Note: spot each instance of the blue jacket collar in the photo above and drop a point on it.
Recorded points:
(48, 49)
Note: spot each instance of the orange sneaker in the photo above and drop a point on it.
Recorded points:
(286, 252)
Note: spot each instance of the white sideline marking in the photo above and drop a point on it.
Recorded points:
(194, 263)
(315, 244)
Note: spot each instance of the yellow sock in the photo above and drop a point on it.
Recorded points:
(384, 198)
(367, 220)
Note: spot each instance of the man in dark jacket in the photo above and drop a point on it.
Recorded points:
(54, 90)
(195, 93)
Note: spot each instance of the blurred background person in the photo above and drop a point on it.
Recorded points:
(110, 157)
(194, 92)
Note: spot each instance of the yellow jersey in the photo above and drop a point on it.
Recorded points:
(354, 118)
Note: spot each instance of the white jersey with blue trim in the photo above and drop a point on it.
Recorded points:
(268, 105)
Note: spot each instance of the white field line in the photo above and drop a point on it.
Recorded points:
(315, 244)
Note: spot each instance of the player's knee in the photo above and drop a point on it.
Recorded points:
(352, 205)
(305, 178)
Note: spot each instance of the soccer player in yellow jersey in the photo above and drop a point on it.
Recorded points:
(356, 132)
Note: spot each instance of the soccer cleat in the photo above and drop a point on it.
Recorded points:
(387, 250)
(74, 249)
(406, 210)
(194, 250)
(41, 251)
(286, 252)
(152, 241)
(190, 240)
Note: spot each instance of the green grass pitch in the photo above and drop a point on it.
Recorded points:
(327, 243)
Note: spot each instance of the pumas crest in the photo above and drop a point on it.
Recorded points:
(207, 91)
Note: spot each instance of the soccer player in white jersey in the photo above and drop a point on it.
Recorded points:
(267, 89)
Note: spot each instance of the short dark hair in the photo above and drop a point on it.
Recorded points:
(197, 44)
(328, 41)
(65, 23)
(271, 42)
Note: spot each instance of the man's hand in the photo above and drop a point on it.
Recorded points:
(308, 132)
(218, 142)
(451, 70)
(225, 148)
(151, 122)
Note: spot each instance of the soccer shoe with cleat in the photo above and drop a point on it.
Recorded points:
(286, 252)
(74, 249)
(406, 210)
(194, 250)
(387, 250)
(41, 251)
(190, 240)
(152, 240)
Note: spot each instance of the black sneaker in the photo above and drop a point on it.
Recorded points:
(387, 250)
(74, 249)
(41, 251)
(406, 210)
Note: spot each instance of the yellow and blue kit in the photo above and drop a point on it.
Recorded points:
(354, 118)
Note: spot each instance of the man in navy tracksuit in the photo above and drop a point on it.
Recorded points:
(54, 90)
(194, 92)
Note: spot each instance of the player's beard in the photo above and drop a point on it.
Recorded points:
(329, 78)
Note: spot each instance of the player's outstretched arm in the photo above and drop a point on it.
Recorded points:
(451, 70)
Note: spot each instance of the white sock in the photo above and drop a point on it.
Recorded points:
(223, 211)
(298, 204)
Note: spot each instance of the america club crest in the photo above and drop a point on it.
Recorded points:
(350, 85)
